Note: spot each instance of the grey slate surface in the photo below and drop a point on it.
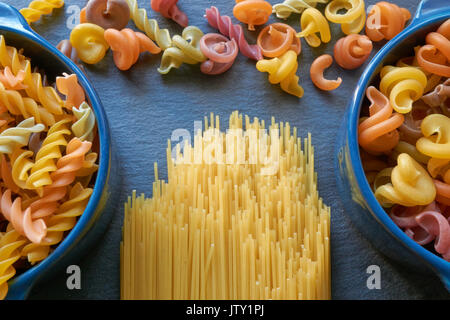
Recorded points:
(144, 108)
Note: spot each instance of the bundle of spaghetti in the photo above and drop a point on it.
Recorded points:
(434, 57)
(243, 221)
(232, 31)
(63, 220)
(285, 9)
(37, 8)
(149, 26)
(184, 49)
(385, 21)
(353, 20)
(10, 243)
(169, 9)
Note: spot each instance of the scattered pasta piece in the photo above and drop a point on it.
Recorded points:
(37, 8)
(312, 21)
(108, 14)
(352, 51)
(220, 51)
(282, 70)
(169, 9)
(224, 227)
(89, 41)
(66, 48)
(285, 9)
(316, 72)
(353, 20)
(252, 12)
(276, 39)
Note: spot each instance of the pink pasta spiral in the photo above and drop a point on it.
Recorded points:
(352, 51)
(232, 31)
(438, 227)
(169, 9)
(220, 52)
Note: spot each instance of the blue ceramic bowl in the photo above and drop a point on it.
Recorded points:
(356, 195)
(95, 219)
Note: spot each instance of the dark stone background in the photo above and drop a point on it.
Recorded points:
(144, 108)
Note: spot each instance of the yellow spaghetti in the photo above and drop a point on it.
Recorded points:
(239, 218)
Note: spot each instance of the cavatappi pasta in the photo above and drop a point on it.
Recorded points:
(239, 218)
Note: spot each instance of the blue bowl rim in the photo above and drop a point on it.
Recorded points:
(355, 106)
(27, 278)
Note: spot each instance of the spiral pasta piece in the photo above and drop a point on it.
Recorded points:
(68, 85)
(378, 133)
(403, 86)
(21, 165)
(107, 14)
(49, 152)
(232, 31)
(6, 175)
(276, 39)
(352, 51)
(282, 70)
(10, 245)
(439, 168)
(83, 127)
(37, 8)
(436, 136)
(353, 20)
(439, 96)
(88, 39)
(18, 135)
(169, 9)
(149, 26)
(67, 167)
(285, 9)
(312, 21)
(411, 185)
(439, 227)
(405, 147)
(10, 81)
(35, 230)
(316, 72)
(14, 103)
(252, 12)
(442, 192)
(220, 52)
(185, 49)
(127, 45)
(385, 21)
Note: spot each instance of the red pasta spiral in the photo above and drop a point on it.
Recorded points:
(220, 52)
(352, 51)
(169, 9)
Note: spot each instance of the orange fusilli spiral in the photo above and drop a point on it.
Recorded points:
(352, 51)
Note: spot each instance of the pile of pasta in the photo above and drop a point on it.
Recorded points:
(103, 26)
(405, 142)
(48, 164)
(239, 218)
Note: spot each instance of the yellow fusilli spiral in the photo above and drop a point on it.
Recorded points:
(63, 220)
(37, 8)
(18, 135)
(10, 243)
(149, 26)
(21, 165)
(83, 128)
(353, 20)
(185, 49)
(49, 152)
(403, 86)
(27, 107)
(285, 9)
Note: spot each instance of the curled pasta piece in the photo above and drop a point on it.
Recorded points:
(89, 41)
(316, 71)
(312, 21)
(6, 175)
(353, 20)
(108, 14)
(35, 230)
(64, 175)
(352, 51)
(403, 86)
(252, 12)
(185, 49)
(232, 31)
(282, 70)
(127, 45)
(66, 48)
(438, 226)
(410, 130)
(442, 192)
(386, 20)
(285, 9)
(405, 147)
(276, 39)
(10, 245)
(18, 135)
(149, 26)
(47, 155)
(220, 52)
(378, 133)
(12, 82)
(37, 8)
(405, 217)
(21, 165)
(439, 96)
(436, 136)
(68, 85)
(411, 185)
(439, 167)
(169, 9)
(83, 128)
